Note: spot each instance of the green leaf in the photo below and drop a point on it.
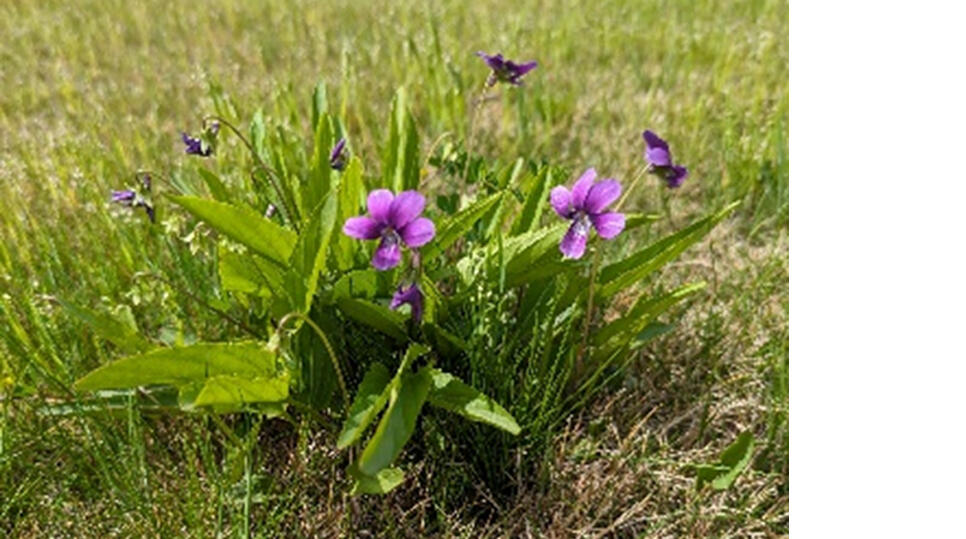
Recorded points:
(258, 135)
(529, 217)
(401, 157)
(384, 481)
(732, 462)
(120, 330)
(642, 313)
(320, 102)
(237, 391)
(371, 397)
(318, 181)
(352, 193)
(375, 316)
(397, 424)
(458, 225)
(619, 275)
(308, 258)
(450, 393)
(215, 185)
(248, 274)
(244, 226)
(179, 366)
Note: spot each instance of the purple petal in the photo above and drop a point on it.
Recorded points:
(583, 185)
(418, 232)
(362, 228)
(561, 201)
(379, 202)
(654, 141)
(658, 157)
(522, 69)
(406, 207)
(675, 176)
(495, 62)
(574, 241)
(608, 225)
(337, 150)
(123, 197)
(413, 296)
(387, 255)
(601, 195)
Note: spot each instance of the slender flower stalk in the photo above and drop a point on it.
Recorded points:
(394, 221)
(585, 207)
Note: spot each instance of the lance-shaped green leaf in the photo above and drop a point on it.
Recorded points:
(381, 483)
(309, 257)
(619, 275)
(375, 316)
(643, 313)
(370, 399)
(733, 461)
(215, 185)
(120, 330)
(450, 393)
(458, 225)
(352, 194)
(248, 274)
(237, 391)
(401, 157)
(529, 217)
(397, 424)
(179, 366)
(318, 181)
(244, 226)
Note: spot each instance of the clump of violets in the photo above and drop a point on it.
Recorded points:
(505, 70)
(339, 155)
(394, 221)
(585, 206)
(203, 146)
(658, 156)
(411, 295)
(132, 199)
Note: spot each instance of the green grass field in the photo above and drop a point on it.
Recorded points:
(94, 90)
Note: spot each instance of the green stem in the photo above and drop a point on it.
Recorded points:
(637, 178)
(273, 175)
(325, 341)
(578, 366)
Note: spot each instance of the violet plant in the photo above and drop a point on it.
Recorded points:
(497, 295)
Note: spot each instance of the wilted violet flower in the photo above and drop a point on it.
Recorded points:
(129, 198)
(125, 197)
(659, 156)
(505, 70)
(339, 155)
(584, 206)
(411, 295)
(394, 220)
(195, 146)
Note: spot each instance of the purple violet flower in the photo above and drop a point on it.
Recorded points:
(270, 211)
(505, 70)
(584, 206)
(339, 155)
(394, 220)
(659, 156)
(195, 146)
(413, 296)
